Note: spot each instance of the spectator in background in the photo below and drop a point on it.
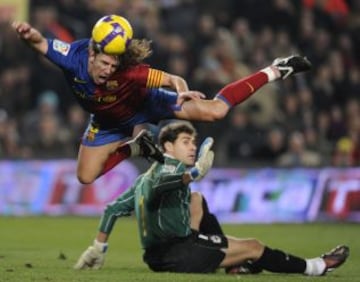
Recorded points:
(354, 82)
(291, 115)
(314, 143)
(50, 142)
(47, 105)
(297, 155)
(46, 19)
(43, 134)
(332, 12)
(306, 107)
(273, 147)
(74, 16)
(339, 78)
(15, 93)
(76, 121)
(241, 141)
(284, 16)
(244, 38)
(205, 36)
(343, 155)
(9, 137)
(337, 127)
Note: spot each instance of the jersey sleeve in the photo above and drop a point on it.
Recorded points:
(123, 206)
(63, 54)
(145, 76)
(154, 79)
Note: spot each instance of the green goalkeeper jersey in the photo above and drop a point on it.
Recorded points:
(161, 202)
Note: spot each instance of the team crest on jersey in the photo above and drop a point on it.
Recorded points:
(61, 47)
(169, 168)
(92, 132)
(111, 84)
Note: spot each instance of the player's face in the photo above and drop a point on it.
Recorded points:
(183, 149)
(102, 66)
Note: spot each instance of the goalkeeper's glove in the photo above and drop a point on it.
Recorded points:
(93, 257)
(204, 161)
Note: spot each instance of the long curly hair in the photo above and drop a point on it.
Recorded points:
(136, 53)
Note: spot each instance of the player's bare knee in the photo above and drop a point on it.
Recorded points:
(85, 179)
(196, 197)
(256, 247)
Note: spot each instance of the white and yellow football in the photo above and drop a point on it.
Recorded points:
(112, 34)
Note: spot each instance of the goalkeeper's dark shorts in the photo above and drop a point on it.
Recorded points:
(197, 253)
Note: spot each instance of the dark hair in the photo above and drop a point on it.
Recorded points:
(137, 51)
(170, 132)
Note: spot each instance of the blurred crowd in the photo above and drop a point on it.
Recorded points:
(310, 120)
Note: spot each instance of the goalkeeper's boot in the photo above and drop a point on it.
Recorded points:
(148, 149)
(291, 65)
(245, 268)
(336, 257)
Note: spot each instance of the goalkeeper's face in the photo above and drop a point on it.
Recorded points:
(183, 148)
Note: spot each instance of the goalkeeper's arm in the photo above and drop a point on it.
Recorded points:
(167, 182)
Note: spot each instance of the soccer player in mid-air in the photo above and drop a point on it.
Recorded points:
(109, 80)
(160, 199)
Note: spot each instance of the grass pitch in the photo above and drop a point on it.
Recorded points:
(43, 249)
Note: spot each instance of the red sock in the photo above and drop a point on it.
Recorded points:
(238, 91)
(122, 153)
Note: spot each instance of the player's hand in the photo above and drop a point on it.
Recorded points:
(204, 161)
(27, 32)
(23, 29)
(189, 95)
(91, 258)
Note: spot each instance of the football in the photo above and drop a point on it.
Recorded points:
(112, 34)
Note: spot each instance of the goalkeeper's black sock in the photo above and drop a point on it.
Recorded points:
(278, 261)
(209, 223)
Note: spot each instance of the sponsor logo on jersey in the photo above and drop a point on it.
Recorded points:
(111, 84)
(98, 99)
(78, 80)
(108, 99)
(61, 47)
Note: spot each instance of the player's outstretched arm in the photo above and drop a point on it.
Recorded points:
(31, 36)
(175, 82)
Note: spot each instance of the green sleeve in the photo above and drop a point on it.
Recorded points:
(123, 206)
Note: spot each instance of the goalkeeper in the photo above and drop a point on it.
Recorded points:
(161, 200)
